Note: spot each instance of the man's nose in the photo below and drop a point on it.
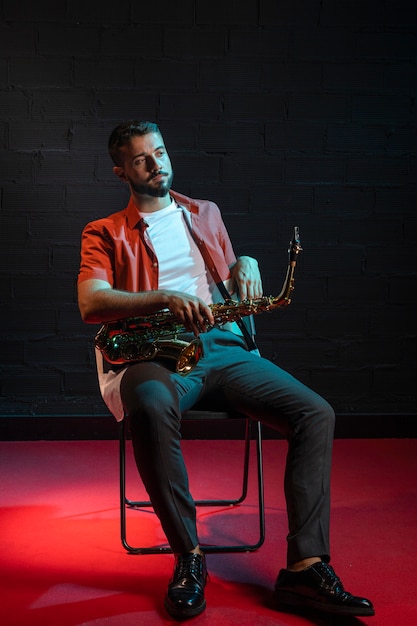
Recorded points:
(153, 164)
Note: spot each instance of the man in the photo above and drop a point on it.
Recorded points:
(168, 252)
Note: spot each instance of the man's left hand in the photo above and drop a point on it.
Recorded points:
(246, 278)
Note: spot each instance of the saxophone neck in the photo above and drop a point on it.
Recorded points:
(284, 298)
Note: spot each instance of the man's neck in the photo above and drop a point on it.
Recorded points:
(149, 204)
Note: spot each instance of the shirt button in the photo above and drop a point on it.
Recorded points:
(155, 264)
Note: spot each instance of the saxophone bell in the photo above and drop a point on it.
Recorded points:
(189, 356)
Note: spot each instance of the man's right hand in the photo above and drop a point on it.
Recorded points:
(193, 313)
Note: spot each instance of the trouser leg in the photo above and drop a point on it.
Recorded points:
(151, 402)
(308, 427)
(267, 393)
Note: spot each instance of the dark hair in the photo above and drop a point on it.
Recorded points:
(123, 133)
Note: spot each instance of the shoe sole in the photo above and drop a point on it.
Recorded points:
(296, 601)
(184, 613)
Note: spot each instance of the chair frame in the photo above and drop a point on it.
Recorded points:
(126, 503)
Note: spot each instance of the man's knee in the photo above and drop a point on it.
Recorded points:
(146, 389)
(325, 415)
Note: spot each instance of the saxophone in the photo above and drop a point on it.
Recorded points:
(136, 339)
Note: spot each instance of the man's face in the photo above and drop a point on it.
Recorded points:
(146, 165)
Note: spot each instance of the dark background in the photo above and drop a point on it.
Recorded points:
(296, 112)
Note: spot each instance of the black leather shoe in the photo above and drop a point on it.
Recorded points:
(185, 597)
(318, 588)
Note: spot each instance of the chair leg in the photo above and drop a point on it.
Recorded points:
(261, 490)
(125, 502)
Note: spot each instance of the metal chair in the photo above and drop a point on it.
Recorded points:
(205, 414)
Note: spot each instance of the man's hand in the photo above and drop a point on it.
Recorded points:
(190, 311)
(246, 278)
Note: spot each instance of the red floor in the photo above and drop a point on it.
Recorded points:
(62, 563)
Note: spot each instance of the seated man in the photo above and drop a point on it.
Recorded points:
(165, 251)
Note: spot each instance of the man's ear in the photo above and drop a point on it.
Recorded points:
(120, 173)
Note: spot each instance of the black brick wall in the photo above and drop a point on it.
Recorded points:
(287, 113)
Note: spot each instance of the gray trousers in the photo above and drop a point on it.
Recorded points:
(154, 398)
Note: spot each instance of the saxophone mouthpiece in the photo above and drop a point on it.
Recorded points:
(295, 245)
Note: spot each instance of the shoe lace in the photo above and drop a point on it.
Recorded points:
(189, 566)
(333, 581)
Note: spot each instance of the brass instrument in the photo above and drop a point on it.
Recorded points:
(136, 339)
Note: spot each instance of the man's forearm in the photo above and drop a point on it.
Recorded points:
(103, 305)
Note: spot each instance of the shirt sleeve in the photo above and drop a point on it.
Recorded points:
(96, 254)
(226, 244)
(227, 256)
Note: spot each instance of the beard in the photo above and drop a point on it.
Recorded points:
(158, 191)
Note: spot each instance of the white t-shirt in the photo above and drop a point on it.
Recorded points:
(171, 240)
